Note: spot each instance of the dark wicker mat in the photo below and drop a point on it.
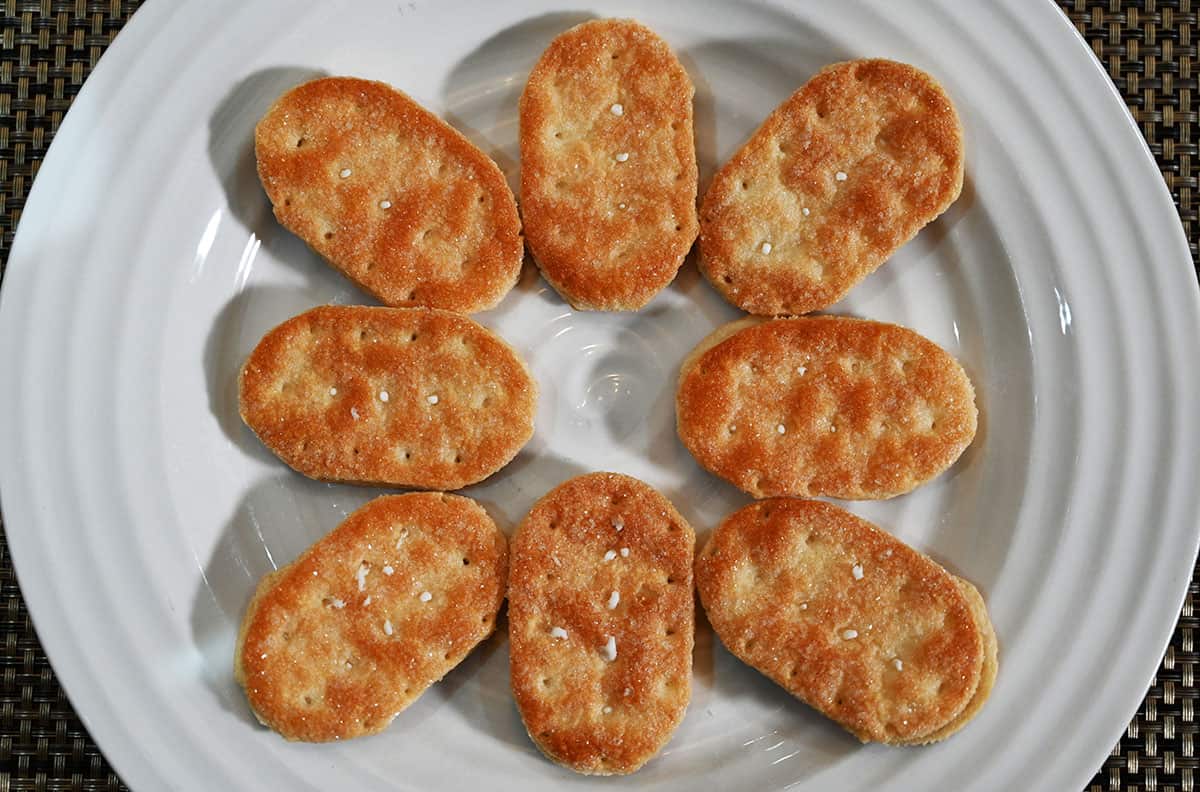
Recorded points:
(47, 49)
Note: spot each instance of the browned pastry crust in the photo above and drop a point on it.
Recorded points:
(410, 397)
(836, 179)
(824, 405)
(608, 165)
(335, 644)
(390, 195)
(601, 558)
(987, 677)
(847, 618)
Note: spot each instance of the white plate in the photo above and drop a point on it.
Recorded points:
(141, 512)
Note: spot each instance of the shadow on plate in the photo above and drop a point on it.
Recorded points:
(769, 720)
(479, 689)
(774, 66)
(231, 138)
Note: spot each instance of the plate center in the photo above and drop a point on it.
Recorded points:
(607, 378)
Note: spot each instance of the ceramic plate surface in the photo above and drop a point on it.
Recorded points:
(141, 511)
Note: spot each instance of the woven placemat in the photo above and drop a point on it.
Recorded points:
(47, 49)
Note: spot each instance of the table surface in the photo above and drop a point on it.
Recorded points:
(47, 49)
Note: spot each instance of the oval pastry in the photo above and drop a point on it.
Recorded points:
(390, 195)
(837, 178)
(608, 165)
(409, 397)
(601, 622)
(824, 405)
(848, 619)
(338, 642)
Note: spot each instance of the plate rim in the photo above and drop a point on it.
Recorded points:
(152, 16)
